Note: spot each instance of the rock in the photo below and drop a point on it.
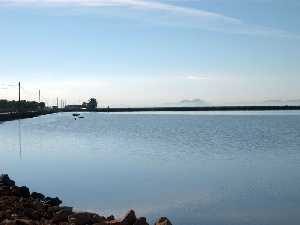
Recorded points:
(18, 222)
(97, 219)
(52, 201)
(25, 192)
(20, 191)
(24, 222)
(85, 218)
(141, 221)
(37, 195)
(4, 191)
(53, 209)
(6, 181)
(36, 204)
(110, 218)
(19, 207)
(8, 222)
(30, 213)
(62, 215)
(113, 222)
(129, 218)
(163, 221)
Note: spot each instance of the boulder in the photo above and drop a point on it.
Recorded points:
(53, 209)
(141, 221)
(6, 181)
(129, 218)
(37, 195)
(18, 222)
(52, 201)
(24, 222)
(20, 191)
(31, 214)
(110, 218)
(113, 222)
(85, 218)
(62, 215)
(163, 221)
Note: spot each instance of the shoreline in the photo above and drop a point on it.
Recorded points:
(10, 116)
(4, 117)
(19, 206)
(204, 109)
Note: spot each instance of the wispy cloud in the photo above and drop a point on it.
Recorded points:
(176, 15)
(150, 5)
(192, 77)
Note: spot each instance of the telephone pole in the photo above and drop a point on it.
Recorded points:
(39, 96)
(57, 102)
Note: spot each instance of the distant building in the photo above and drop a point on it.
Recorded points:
(73, 107)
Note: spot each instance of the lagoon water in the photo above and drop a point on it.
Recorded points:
(228, 168)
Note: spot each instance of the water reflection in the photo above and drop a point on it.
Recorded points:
(20, 138)
(194, 169)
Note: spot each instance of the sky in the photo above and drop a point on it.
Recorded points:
(150, 52)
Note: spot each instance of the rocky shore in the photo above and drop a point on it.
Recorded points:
(19, 206)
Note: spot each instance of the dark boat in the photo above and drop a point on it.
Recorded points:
(76, 114)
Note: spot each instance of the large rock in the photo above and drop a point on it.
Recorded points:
(37, 195)
(52, 201)
(31, 214)
(110, 218)
(112, 222)
(62, 215)
(129, 218)
(20, 191)
(141, 221)
(85, 218)
(6, 181)
(163, 221)
(18, 222)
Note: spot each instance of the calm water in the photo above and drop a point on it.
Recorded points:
(195, 168)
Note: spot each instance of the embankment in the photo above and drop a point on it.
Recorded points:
(23, 115)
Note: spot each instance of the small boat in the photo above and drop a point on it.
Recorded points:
(81, 117)
(76, 114)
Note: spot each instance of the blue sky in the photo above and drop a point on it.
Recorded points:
(144, 52)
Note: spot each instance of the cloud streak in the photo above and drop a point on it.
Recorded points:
(176, 15)
(142, 4)
(195, 78)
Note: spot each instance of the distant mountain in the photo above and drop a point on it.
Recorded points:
(188, 103)
(281, 102)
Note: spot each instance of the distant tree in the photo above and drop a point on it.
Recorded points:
(13, 106)
(92, 104)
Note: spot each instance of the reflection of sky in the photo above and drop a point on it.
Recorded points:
(236, 169)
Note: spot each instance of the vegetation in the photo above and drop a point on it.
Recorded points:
(92, 104)
(24, 106)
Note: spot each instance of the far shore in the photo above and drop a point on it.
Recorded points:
(206, 108)
(8, 116)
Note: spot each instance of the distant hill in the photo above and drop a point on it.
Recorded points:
(281, 102)
(187, 103)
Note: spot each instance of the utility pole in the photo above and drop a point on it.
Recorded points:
(57, 102)
(39, 96)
